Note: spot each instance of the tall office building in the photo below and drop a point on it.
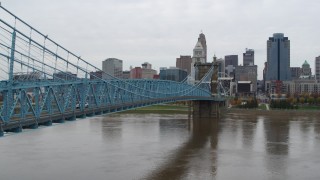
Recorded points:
(295, 72)
(248, 57)
(278, 58)
(202, 40)
(113, 67)
(230, 62)
(317, 68)
(184, 62)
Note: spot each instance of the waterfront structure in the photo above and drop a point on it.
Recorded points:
(298, 86)
(295, 72)
(306, 70)
(184, 62)
(173, 74)
(113, 67)
(278, 58)
(248, 57)
(317, 68)
(247, 73)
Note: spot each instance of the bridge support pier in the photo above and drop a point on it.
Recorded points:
(206, 109)
(1, 131)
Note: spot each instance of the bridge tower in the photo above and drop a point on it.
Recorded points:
(208, 108)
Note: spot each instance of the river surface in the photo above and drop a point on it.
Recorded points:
(166, 146)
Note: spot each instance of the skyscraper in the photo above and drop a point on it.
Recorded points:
(202, 40)
(317, 68)
(199, 54)
(231, 61)
(113, 67)
(278, 58)
(248, 57)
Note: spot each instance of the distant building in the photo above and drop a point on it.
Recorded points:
(199, 54)
(146, 65)
(230, 62)
(136, 73)
(184, 62)
(248, 57)
(126, 74)
(173, 74)
(221, 68)
(147, 72)
(143, 73)
(202, 40)
(28, 76)
(113, 67)
(298, 86)
(317, 68)
(295, 72)
(247, 73)
(305, 69)
(96, 75)
(278, 58)
(65, 76)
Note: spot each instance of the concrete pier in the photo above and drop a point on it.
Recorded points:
(206, 109)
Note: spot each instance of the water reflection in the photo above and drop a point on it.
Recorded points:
(179, 163)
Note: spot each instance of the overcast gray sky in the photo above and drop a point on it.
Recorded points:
(159, 31)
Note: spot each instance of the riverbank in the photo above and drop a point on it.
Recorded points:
(161, 109)
(291, 112)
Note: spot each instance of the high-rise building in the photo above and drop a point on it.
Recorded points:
(278, 58)
(306, 70)
(295, 72)
(248, 57)
(202, 40)
(113, 67)
(184, 62)
(199, 56)
(317, 68)
(230, 62)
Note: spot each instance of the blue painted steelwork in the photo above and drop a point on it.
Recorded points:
(43, 83)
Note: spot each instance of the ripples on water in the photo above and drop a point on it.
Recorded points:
(157, 146)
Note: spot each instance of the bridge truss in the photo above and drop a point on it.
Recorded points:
(42, 82)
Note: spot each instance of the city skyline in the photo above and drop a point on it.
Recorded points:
(137, 32)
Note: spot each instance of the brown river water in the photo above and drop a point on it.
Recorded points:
(239, 145)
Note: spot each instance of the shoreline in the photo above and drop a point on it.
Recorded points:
(272, 111)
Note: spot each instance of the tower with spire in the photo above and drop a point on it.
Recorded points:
(199, 54)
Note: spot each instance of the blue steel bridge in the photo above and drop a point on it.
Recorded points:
(42, 82)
